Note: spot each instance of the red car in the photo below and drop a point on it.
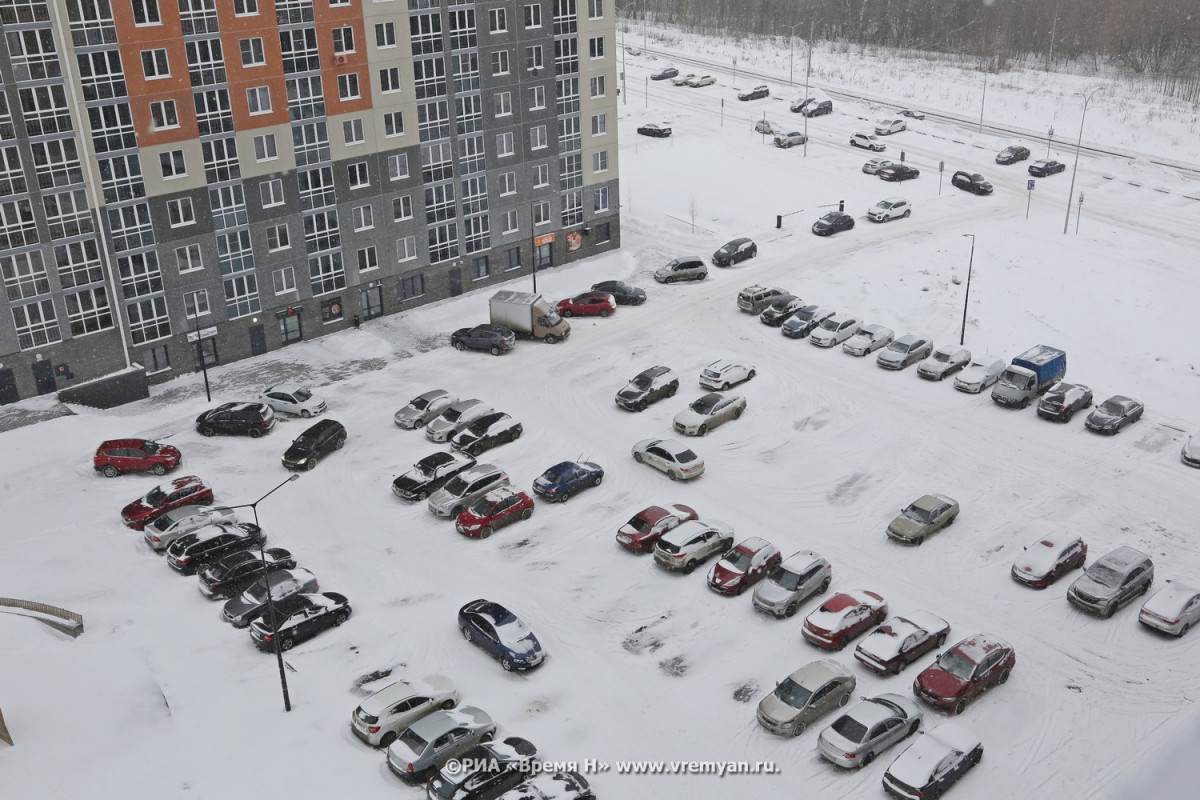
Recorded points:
(1044, 561)
(965, 671)
(588, 304)
(186, 491)
(135, 455)
(499, 507)
(842, 617)
(743, 566)
(640, 533)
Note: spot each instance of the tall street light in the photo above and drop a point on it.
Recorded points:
(621, 13)
(1087, 98)
(808, 74)
(962, 336)
(273, 621)
(791, 51)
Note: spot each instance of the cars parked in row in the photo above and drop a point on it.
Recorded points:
(965, 671)
(490, 430)
(982, 372)
(1114, 414)
(971, 182)
(625, 294)
(805, 320)
(655, 130)
(242, 609)
(186, 491)
(671, 456)
(294, 399)
(904, 352)
(1044, 169)
(380, 718)
(1062, 400)
(168, 527)
(834, 330)
(501, 634)
(898, 173)
(743, 566)
(900, 641)
(645, 527)
(204, 545)
(790, 139)
(424, 408)
(944, 362)
(1172, 609)
(933, 763)
(868, 339)
(664, 74)
(889, 209)
(833, 222)
(868, 141)
(799, 577)
(454, 418)
(498, 508)
(1012, 154)
(922, 518)
(430, 474)
(757, 93)
(233, 573)
(708, 412)
(310, 447)
(247, 419)
(1112, 581)
(425, 746)
(780, 309)
(692, 543)
(734, 251)
(488, 338)
(697, 81)
(886, 127)
(681, 80)
(1048, 559)
(722, 374)
(869, 728)
(844, 617)
(465, 488)
(588, 304)
(648, 386)
(300, 617)
(755, 299)
(118, 456)
(685, 268)
(873, 166)
(567, 478)
(805, 696)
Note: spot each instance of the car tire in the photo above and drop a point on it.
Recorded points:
(305, 413)
(1184, 629)
(672, 389)
(466, 634)
(340, 617)
(791, 610)
(514, 434)
(1109, 610)
(340, 443)
(254, 433)
(508, 665)
(206, 431)
(867, 759)
(703, 429)
(638, 458)
(418, 424)
(564, 497)
(689, 567)
(907, 213)
(843, 700)
(447, 705)
(387, 739)
(941, 639)
(672, 475)
(603, 313)
(286, 644)
(960, 707)
(110, 471)
(487, 737)
(725, 386)
(422, 495)
(550, 338)
(459, 346)
(912, 729)
(799, 729)
(568, 313)
(454, 512)
(920, 540)
(824, 587)
(312, 463)
(527, 513)
(640, 405)
(485, 532)
(741, 588)
(494, 350)
(952, 520)
(1004, 676)
(159, 469)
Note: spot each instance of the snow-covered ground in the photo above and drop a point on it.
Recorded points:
(161, 699)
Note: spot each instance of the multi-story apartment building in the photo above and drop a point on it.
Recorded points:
(213, 179)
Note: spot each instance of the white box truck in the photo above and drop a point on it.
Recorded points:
(529, 315)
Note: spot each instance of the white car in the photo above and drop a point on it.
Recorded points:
(1190, 454)
(701, 80)
(834, 331)
(294, 399)
(708, 412)
(724, 373)
(455, 418)
(934, 762)
(424, 408)
(1172, 609)
(380, 718)
(981, 373)
(670, 456)
(767, 127)
(873, 166)
(868, 339)
(682, 80)
(888, 209)
(868, 141)
(946, 360)
(886, 127)
(175, 523)
(684, 547)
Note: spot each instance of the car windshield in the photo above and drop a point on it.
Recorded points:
(551, 319)
(640, 525)
(738, 560)
(452, 414)
(1104, 574)
(884, 204)
(302, 395)
(978, 179)
(729, 248)
(684, 456)
(1112, 407)
(456, 485)
(956, 665)
(785, 579)
(830, 217)
(940, 356)
(150, 448)
(792, 693)
(643, 380)
(155, 496)
(898, 347)
(419, 403)
(916, 513)
(804, 315)
(551, 476)
(305, 440)
(705, 404)
(850, 728)
(830, 324)
(482, 507)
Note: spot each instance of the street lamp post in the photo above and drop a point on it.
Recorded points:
(791, 51)
(533, 241)
(983, 99)
(807, 75)
(1087, 98)
(962, 336)
(624, 92)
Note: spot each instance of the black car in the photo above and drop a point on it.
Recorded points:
(193, 550)
(1062, 400)
(973, 183)
(487, 432)
(242, 609)
(648, 386)
(655, 130)
(833, 222)
(813, 107)
(1011, 155)
(664, 73)
(494, 339)
(1114, 414)
(232, 573)
(735, 251)
(430, 474)
(252, 419)
(898, 172)
(757, 93)
(560, 786)
(1041, 169)
(622, 292)
(308, 448)
(300, 617)
(780, 309)
(485, 771)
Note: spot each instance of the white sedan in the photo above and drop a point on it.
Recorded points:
(670, 456)
(945, 361)
(294, 399)
(708, 412)
(982, 372)
(884, 127)
(834, 331)
(424, 408)
(1172, 609)
(868, 339)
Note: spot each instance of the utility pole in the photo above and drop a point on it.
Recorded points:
(967, 294)
(624, 91)
(1087, 98)
(983, 99)
(791, 51)
(807, 75)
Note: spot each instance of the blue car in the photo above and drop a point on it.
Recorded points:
(502, 634)
(558, 483)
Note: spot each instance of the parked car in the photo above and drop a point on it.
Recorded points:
(314, 444)
(380, 718)
(764, 125)
(889, 208)
(645, 527)
(697, 81)
(734, 251)
(551, 786)
(897, 173)
(484, 771)
(812, 107)
(670, 456)
(664, 73)
(922, 518)
(293, 399)
(1114, 414)
(745, 565)
(805, 696)
(588, 304)
(251, 419)
(692, 543)
(622, 292)
(233, 573)
(904, 352)
(685, 268)
(682, 80)
(1112, 581)
(1012, 154)
(1190, 454)
(709, 412)
(868, 339)
(202, 546)
(885, 127)
(873, 166)
(834, 331)
(832, 223)
(494, 339)
(901, 640)
(186, 491)
(866, 730)
(982, 372)
(168, 527)
(465, 488)
(1048, 559)
(498, 508)
(802, 575)
(430, 474)
(1172, 609)
(300, 618)
(455, 418)
(567, 478)
(117, 456)
(242, 609)
(869, 141)
(780, 309)
(805, 321)
(757, 93)
(944, 362)
(722, 374)
(843, 617)
(1062, 400)
(648, 386)
(965, 671)
(425, 746)
(971, 182)
(911, 114)
(933, 763)
(754, 299)
(655, 130)
(424, 409)
(490, 430)
(1043, 169)
(790, 139)
(501, 634)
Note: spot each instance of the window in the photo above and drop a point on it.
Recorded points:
(498, 19)
(385, 34)
(595, 9)
(278, 238)
(36, 324)
(173, 164)
(343, 40)
(284, 280)
(155, 360)
(541, 212)
(500, 62)
(389, 80)
(537, 97)
(512, 258)
(358, 174)
(180, 212)
(598, 88)
(596, 47)
(393, 123)
(258, 99)
(504, 144)
(398, 166)
(600, 161)
(541, 175)
(402, 208)
(145, 12)
(154, 64)
(599, 124)
(352, 131)
(187, 258)
(364, 218)
(271, 192)
(195, 304)
(508, 183)
(406, 249)
(348, 86)
(602, 232)
(533, 57)
(265, 148)
(88, 311)
(510, 222)
(25, 275)
(533, 15)
(503, 103)
(245, 8)
(480, 268)
(148, 320)
(537, 137)
(600, 199)
(331, 309)
(163, 115)
(253, 54)
(411, 286)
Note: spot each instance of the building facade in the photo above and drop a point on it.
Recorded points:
(214, 179)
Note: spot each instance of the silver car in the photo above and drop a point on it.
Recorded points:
(670, 456)
(692, 542)
(240, 611)
(834, 331)
(465, 488)
(175, 523)
(379, 719)
(904, 352)
(686, 268)
(806, 695)
(424, 409)
(858, 736)
(868, 339)
(944, 361)
(435, 739)
(1112, 581)
(1172, 609)
(802, 575)
(981, 373)
(708, 412)
(455, 418)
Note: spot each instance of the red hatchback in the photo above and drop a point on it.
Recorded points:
(499, 507)
(135, 455)
(648, 525)
(743, 566)
(965, 671)
(842, 617)
(588, 304)
(187, 491)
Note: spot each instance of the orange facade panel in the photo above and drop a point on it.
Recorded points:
(327, 19)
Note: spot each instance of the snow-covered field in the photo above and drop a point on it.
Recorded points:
(161, 699)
